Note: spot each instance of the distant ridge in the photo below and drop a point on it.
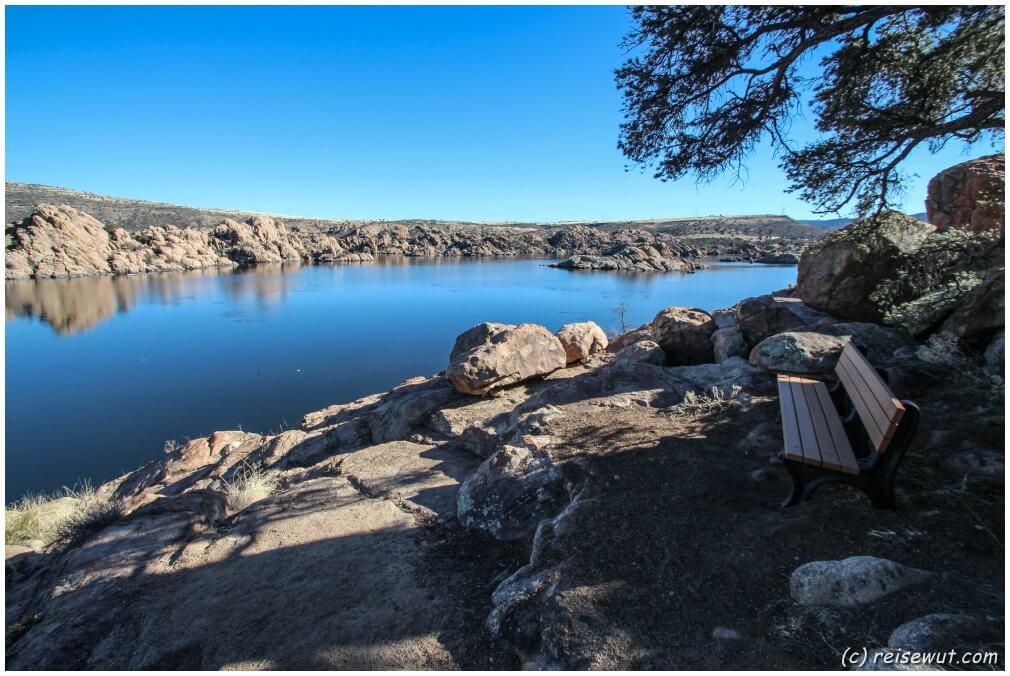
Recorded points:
(131, 214)
(836, 223)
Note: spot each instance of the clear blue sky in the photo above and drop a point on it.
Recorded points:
(481, 113)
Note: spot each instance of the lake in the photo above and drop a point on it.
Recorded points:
(101, 371)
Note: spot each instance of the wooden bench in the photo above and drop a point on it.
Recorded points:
(854, 432)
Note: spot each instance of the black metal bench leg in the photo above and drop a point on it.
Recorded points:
(880, 489)
(796, 493)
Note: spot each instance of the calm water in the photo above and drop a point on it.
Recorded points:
(102, 370)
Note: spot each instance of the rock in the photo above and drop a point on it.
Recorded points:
(765, 438)
(977, 462)
(685, 334)
(728, 342)
(923, 315)
(508, 357)
(878, 343)
(628, 258)
(424, 477)
(802, 352)
(645, 352)
(995, 355)
(510, 493)
(851, 582)
(840, 272)
(763, 316)
(622, 341)
(778, 259)
(980, 314)
(259, 239)
(968, 196)
(581, 340)
(941, 632)
(476, 336)
(374, 608)
(726, 634)
(888, 659)
(701, 378)
(57, 242)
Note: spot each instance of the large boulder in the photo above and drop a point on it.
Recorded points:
(764, 316)
(840, 272)
(685, 334)
(801, 352)
(57, 242)
(980, 315)
(511, 492)
(851, 582)
(995, 354)
(877, 342)
(968, 196)
(728, 342)
(643, 332)
(508, 356)
(259, 239)
(581, 340)
(941, 632)
(644, 352)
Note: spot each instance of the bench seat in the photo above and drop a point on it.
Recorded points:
(811, 427)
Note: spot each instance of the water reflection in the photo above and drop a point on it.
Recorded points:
(170, 356)
(70, 306)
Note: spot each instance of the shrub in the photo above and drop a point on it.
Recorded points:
(707, 402)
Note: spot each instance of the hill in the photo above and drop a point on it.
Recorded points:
(131, 214)
(838, 223)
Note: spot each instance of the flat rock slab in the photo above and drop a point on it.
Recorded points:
(426, 477)
(317, 577)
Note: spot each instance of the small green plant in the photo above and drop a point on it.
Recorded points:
(61, 521)
(707, 402)
(250, 484)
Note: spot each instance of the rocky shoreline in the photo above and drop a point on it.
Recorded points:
(61, 241)
(555, 501)
(568, 501)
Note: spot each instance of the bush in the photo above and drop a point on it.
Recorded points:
(707, 402)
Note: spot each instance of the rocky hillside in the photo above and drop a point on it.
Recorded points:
(61, 241)
(23, 198)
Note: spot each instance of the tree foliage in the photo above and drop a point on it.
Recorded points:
(708, 83)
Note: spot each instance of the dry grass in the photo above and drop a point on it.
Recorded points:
(59, 521)
(251, 484)
(707, 402)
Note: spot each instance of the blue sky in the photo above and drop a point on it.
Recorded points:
(479, 113)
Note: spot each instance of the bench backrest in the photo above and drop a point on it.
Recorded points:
(877, 407)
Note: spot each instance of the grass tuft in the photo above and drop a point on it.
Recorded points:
(60, 521)
(707, 402)
(251, 484)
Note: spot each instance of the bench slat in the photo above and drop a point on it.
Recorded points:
(804, 418)
(892, 407)
(825, 442)
(790, 427)
(853, 388)
(844, 456)
(866, 390)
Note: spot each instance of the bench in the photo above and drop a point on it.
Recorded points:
(854, 432)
